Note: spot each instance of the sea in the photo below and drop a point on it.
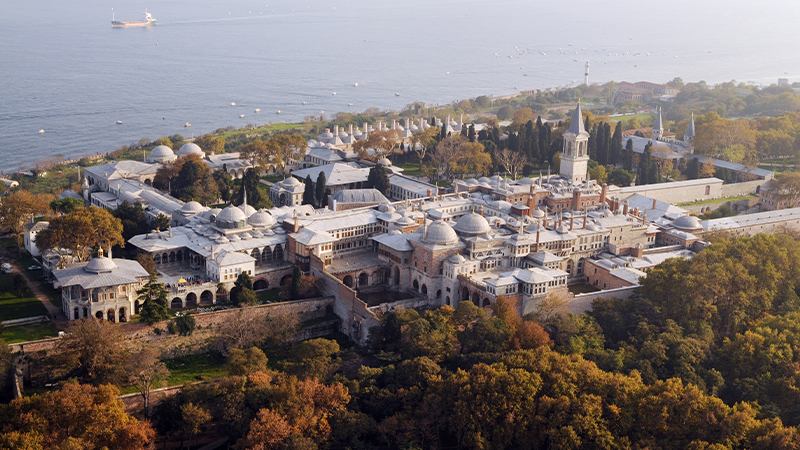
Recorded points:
(64, 70)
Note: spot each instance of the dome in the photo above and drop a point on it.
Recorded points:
(190, 148)
(247, 210)
(384, 162)
(100, 264)
(440, 233)
(191, 207)
(456, 259)
(472, 224)
(261, 219)
(231, 216)
(538, 213)
(483, 180)
(291, 181)
(161, 153)
(687, 223)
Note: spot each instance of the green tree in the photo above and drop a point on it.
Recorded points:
(66, 205)
(153, 299)
(245, 362)
(194, 181)
(378, 179)
(308, 192)
(294, 288)
(319, 190)
(250, 183)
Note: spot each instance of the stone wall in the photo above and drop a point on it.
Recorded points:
(582, 303)
(736, 189)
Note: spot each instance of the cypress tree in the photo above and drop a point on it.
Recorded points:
(627, 155)
(319, 190)
(645, 167)
(471, 134)
(308, 191)
(378, 179)
(616, 144)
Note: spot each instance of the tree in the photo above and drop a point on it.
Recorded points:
(615, 151)
(313, 358)
(75, 416)
(377, 145)
(319, 190)
(522, 116)
(422, 142)
(146, 372)
(245, 362)
(195, 181)
(786, 188)
(82, 231)
(294, 289)
(511, 161)
(134, 219)
(66, 205)
(308, 191)
(193, 418)
(211, 144)
(247, 297)
(597, 172)
(147, 263)
(250, 184)
(91, 350)
(19, 208)
(620, 177)
(720, 138)
(185, 324)
(627, 155)
(224, 184)
(378, 179)
(248, 328)
(153, 300)
(457, 156)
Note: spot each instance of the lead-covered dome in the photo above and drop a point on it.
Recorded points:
(247, 210)
(191, 208)
(100, 264)
(261, 219)
(190, 148)
(472, 224)
(231, 217)
(687, 223)
(440, 233)
(160, 154)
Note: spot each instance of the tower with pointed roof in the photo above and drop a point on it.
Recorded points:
(575, 153)
(658, 128)
(688, 136)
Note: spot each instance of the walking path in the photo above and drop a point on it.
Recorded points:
(52, 310)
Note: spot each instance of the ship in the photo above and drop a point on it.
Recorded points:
(149, 20)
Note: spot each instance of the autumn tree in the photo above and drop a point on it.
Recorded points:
(195, 181)
(732, 140)
(244, 362)
(377, 145)
(511, 161)
(786, 188)
(276, 152)
(457, 156)
(211, 144)
(20, 207)
(82, 232)
(91, 350)
(423, 142)
(146, 372)
(75, 416)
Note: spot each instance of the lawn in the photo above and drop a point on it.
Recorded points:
(191, 368)
(717, 200)
(24, 333)
(13, 306)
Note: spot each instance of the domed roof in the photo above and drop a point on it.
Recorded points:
(384, 162)
(687, 223)
(291, 181)
(538, 213)
(261, 219)
(161, 152)
(440, 233)
(190, 148)
(456, 259)
(472, 224)
(191, 207)
(247, 210)
(231, 214)
(100, 264)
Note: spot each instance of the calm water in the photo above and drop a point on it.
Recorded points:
(63, 68)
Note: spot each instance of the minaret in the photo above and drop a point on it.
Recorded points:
(688, 137)
(658, 128)
(244, 195)
(574, 154)
(586, 74)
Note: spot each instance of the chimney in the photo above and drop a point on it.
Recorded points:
(603, 193)
(654, 204)
(585, 216)
(576, 199)
(350, 130)
(625, 208)
(336, 131)
(537, 238)
(394, 124)
(571, 221)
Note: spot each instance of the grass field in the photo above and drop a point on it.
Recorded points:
(25, 333)
(189, 369)
(13, 306)
(717, 200)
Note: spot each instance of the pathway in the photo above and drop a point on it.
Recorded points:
(52, 310)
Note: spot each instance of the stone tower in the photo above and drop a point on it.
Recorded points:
(575, 153)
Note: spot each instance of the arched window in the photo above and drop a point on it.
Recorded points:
(416, 285)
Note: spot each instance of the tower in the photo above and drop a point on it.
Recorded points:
(658, 128)
(688, 136)
(574, 154)
(586, 74)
